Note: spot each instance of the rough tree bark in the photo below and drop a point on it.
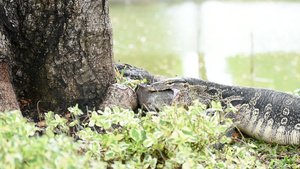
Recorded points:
(58, 52)
(7, 96)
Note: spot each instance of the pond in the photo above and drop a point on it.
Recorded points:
(236, 43)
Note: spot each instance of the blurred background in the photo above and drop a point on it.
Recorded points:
(249, 43)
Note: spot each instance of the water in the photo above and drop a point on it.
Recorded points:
(212, 40)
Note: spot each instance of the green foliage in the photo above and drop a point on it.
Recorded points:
(22, 147)
(128, 82)
(172, 138)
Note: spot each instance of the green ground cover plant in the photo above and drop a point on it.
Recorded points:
(117, 138)
(126, 81)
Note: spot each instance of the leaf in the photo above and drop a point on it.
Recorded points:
(187, 131)
(57, 117)
(148, 142)
(189, 163)
(49, 115)
(92, 123)
(49, 133)
(157, 134)
(123, 71)
(221, 165)
(109, 155)
(135, 159)
(147, 161)
(107, 124)
(216, 105)
(75, 110)
(116, 109)
(119, 137)
(174, 137)
(73, 123)
(129, 114)
(124, 146)
(136, 134)
(107, 111)
(153, 163)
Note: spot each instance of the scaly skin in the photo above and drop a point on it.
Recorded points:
(269, 115)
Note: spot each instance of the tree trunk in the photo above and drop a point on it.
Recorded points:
(7, 96)
(8, 99)
(62, 50)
